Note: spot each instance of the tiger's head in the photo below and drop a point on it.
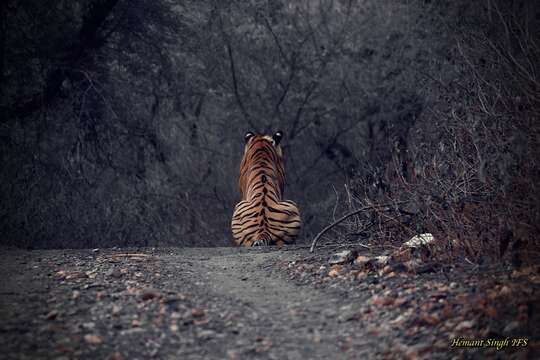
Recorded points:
(257, 141)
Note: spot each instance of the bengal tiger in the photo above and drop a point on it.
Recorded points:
(262, 217)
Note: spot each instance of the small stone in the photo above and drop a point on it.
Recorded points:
(347, 313)
(206, 334)
(148, 294)
(382, 260)
(115, 273)
(90, 274)
(76, 275)
(491, 311)
(89, 325)
(116, 309)
(173, 299)
(382, 300)
(51, 315)
(431, 319)
(505, 290)
(75, 294)
(514, 325)
(400, 319)
(176, 315)
(198, 312)
(92, 339)
(95, 250)
(400, 301)
(329, 313)
(464, 325)
(361, 275)
(361, 260)
(334, 271)
(116, 356)
(342, 257)
(420, 240)
(132, 331)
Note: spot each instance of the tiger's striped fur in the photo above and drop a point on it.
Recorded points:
(262, 217)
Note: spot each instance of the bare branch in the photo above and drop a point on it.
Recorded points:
(233, 74)
(348, 215)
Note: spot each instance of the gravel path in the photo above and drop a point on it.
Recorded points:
(229, 303)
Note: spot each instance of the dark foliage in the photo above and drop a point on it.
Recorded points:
(122, 121)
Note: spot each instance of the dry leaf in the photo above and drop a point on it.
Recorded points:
(430, 319)
(334, 271)
(361, 260)
(491, 311)
(382, 300)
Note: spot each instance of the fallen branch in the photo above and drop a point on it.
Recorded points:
(345, 217)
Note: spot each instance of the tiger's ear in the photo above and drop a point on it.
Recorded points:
(248, 136)
(277, 137)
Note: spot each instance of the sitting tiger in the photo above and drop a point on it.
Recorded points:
(262, 217)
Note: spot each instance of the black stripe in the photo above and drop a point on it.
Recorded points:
(250, 226)
(274, 210)
(245, 221)
(248, 235)
(284, 221)
(250, 215)
(247, 206)
(282, 228)
(276, 236)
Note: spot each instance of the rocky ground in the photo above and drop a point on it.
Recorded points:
(228, 303)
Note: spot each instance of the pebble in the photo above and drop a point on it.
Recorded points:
(206, 334)
(113, 273)
(148, 294)
(53, 314)
(514, 325)
(92, 339)
(88, 325)
(342, 257)
(464, 325)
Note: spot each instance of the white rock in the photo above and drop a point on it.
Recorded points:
(420, 240)
(206, 334)
(465, 325)
(342, 257)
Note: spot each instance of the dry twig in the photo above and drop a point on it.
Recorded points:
(348, 215)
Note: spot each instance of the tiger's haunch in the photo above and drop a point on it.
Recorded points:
(262, 217)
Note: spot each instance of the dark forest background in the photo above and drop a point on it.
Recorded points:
(122, 122)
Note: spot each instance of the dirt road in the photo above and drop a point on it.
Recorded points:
(214, 303)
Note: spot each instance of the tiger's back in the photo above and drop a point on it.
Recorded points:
(262, 217)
